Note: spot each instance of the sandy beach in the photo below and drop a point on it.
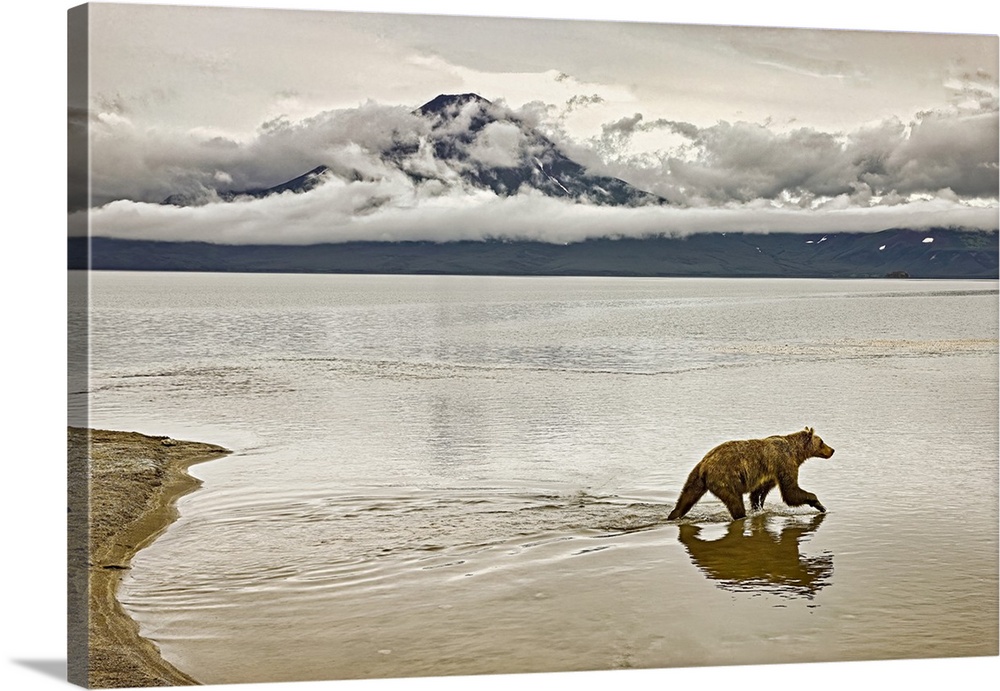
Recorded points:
(135, 481)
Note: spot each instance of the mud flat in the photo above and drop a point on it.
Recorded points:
(134, 482)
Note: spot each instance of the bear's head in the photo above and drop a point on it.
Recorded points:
(815, 445)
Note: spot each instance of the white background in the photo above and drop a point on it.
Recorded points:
(33, 165)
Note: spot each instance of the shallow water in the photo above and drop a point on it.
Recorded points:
(445, 475)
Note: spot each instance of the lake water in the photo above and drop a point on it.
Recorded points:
(452, 475)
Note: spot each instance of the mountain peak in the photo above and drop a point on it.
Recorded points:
(450, 103)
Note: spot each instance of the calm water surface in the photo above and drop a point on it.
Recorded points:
(446, 475)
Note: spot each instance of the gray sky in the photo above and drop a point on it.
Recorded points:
(755, 128)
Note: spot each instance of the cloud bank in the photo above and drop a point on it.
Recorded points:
(389, 179)
(336, 214)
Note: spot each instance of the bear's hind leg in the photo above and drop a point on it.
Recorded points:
(736, 507)
(693, 490)
(733, 501)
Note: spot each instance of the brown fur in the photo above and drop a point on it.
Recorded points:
(754, 466)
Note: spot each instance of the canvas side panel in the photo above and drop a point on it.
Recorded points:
(78, 346)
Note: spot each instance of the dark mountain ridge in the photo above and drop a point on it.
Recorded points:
(952, 254)
(303, 183)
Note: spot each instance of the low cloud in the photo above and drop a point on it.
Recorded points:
(396, 210)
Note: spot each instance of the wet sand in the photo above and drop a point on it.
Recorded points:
(135, 481)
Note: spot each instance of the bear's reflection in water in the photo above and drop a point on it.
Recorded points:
(760, 554)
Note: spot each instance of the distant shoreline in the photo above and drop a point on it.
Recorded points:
(951, 254)
(135, 481)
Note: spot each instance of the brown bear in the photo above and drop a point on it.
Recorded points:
(735, 468)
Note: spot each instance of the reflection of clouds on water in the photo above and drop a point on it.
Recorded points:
(755, 557)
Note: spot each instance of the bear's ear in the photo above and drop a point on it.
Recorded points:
(810, 431)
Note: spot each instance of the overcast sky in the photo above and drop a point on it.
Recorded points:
(740, 128)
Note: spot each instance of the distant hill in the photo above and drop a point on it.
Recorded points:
(303, 183)
(941, 253)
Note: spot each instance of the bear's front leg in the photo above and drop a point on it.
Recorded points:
(801, 497)
(793, 495)
(812, 500)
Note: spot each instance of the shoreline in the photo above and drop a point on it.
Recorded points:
(135, 481)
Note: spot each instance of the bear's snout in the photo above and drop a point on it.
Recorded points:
(827, 451)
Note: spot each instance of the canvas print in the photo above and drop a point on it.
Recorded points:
(419, 346)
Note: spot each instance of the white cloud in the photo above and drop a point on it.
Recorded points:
(743, 161)
(397, 209)
(498, 145)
